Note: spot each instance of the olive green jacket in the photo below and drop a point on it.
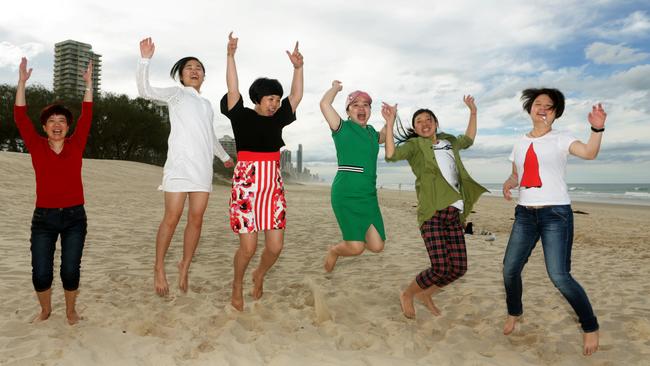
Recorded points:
(433, 191)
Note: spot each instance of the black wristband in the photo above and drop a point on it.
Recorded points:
(597, 129)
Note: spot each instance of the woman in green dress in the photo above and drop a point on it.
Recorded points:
(354, 192)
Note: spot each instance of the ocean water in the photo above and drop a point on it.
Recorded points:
(620, 193)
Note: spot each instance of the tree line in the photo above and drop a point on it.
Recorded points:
(122, 128)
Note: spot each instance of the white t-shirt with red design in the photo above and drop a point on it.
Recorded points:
(541, 166)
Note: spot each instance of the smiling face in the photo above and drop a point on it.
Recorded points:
(359, 111)
(268, 105)
(56, 127)
(425, 125)
(542, 110)
(192, 74)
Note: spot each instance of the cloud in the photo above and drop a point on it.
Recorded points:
(603, 53)
(635, 25)
(10, 54)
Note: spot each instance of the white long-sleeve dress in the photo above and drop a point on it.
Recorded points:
(192, 142)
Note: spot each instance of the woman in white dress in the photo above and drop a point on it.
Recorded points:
(188, 169)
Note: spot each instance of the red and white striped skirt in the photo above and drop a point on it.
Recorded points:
(257, 200)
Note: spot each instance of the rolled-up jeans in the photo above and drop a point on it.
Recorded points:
(47, 224)
(554, 225)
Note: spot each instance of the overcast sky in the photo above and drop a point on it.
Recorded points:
(414, 53)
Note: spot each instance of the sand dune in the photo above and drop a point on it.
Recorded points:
(307, 317)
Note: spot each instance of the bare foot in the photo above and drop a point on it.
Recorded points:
(590, 341)
(43, 315)
(160, 282)
(330, 260)
(183, 272)
(73, 317)
(258, 286)
(237, 299)
(406, 302)
(510, 324)
(428, 302)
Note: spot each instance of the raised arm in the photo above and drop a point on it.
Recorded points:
(23, 76)
(331, 116)
(590, 150)
(510, 183)
(88, 79)
(82, 129)
(389, 113)
(295, 96)
(145, 90)
(471, 124)
(232, 81)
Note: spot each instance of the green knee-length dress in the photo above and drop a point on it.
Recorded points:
(354, 192)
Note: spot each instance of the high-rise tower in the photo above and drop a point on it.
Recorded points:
(299, 158)
(70, 60)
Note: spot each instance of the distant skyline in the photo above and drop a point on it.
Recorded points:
(416, 53)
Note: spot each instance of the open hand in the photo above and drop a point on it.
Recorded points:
(23, 72)
(597, 116)
(469, 102)
(147, 48)
(389, 112)
(88, 74)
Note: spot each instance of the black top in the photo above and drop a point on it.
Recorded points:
(254, 132)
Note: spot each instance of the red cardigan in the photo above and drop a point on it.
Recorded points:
(58, 176)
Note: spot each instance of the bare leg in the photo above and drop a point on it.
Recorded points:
(406, 299)
(273, 244)
(510, 324)
(70, 303)
(198, 204)
(590, 343)
(374, 243)
(342, 249)
(247, 247)
(174, 202)
(45, 300)
(425, 297)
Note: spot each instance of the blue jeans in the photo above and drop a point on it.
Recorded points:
(47, 225)
(554, 225)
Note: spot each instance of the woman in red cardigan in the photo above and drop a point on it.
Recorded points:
(59, 192)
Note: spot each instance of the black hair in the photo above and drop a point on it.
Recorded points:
(404, 134)
(528, 96)
(177, 69)
(58, 109)
(263, 87)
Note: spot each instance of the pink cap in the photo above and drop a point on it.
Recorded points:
(356, 95)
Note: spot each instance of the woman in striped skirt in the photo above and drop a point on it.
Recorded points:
(257, 200)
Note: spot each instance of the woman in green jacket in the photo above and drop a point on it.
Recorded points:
(446, 194)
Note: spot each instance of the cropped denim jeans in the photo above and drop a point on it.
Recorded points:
(47, 224)
(554, 225)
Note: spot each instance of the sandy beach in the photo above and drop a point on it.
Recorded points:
(307, 317)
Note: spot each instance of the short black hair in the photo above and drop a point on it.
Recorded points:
(177, 69)
(58, 109)
(263, 87)
(528, 96)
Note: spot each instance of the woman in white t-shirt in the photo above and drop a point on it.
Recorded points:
(544, 209)
(188, 170)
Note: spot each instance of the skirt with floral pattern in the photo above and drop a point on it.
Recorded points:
(257, 201)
